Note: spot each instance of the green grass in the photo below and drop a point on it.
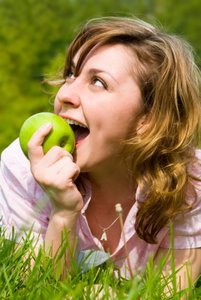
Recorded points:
(18, 280)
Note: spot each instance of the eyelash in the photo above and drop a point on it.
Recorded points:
(70, 76)
(103, 83)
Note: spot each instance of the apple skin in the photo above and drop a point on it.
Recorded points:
(61, 134)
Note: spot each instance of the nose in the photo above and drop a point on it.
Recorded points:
(68, 95)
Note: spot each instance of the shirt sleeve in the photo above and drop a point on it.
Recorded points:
(187, 227)
(24, 206)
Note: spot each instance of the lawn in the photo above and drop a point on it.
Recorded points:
(18, 280)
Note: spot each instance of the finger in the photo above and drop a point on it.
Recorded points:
(67, 168)
(48, 163)
(55, 154)
(35, 149)
(59, 175)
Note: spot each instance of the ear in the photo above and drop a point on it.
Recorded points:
(142, 124)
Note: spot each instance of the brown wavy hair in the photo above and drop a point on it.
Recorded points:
(170, 86)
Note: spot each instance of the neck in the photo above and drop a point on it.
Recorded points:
(115, 187)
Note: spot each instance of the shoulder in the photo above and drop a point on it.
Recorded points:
(14, 162)
(23, 203)
(187, 226)
(15, 172)
(198, 153)
(193, 191)
(194, 171)
(194, 167)
(13, 153)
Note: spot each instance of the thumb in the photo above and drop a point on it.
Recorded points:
(35, 149)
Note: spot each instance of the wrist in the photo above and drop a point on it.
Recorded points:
(62, 225)
(64, 217)
(66, 205)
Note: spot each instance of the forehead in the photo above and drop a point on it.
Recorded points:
(111, 57)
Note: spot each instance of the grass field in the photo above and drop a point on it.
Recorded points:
(18, 280)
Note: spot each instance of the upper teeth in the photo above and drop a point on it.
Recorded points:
(72, 122)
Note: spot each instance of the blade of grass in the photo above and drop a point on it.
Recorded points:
(7, 281)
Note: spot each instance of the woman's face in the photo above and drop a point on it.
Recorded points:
(106, 100)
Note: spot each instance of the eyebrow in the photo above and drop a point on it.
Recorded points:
(95, 71)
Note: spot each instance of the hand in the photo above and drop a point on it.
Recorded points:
(55, 172)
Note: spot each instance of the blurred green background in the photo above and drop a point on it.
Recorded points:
(34, 36)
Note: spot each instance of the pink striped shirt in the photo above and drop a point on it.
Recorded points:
(24, 205)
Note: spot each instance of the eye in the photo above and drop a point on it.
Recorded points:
(99, 82)
(69, 76)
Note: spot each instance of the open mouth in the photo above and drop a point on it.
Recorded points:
(80, 130)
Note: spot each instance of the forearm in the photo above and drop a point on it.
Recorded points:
(61, 222)
(56, 173)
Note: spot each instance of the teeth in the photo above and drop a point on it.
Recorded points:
(72, 122)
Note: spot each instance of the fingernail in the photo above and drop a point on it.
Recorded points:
(46, 126)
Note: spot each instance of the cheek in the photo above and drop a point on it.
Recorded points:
(57, 106)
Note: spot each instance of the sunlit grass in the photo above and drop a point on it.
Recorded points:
(21, 279)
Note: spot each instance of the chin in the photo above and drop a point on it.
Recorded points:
(80, 162)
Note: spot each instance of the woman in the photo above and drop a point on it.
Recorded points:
(131, 93)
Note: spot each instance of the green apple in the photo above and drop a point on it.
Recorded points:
(61, 134)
